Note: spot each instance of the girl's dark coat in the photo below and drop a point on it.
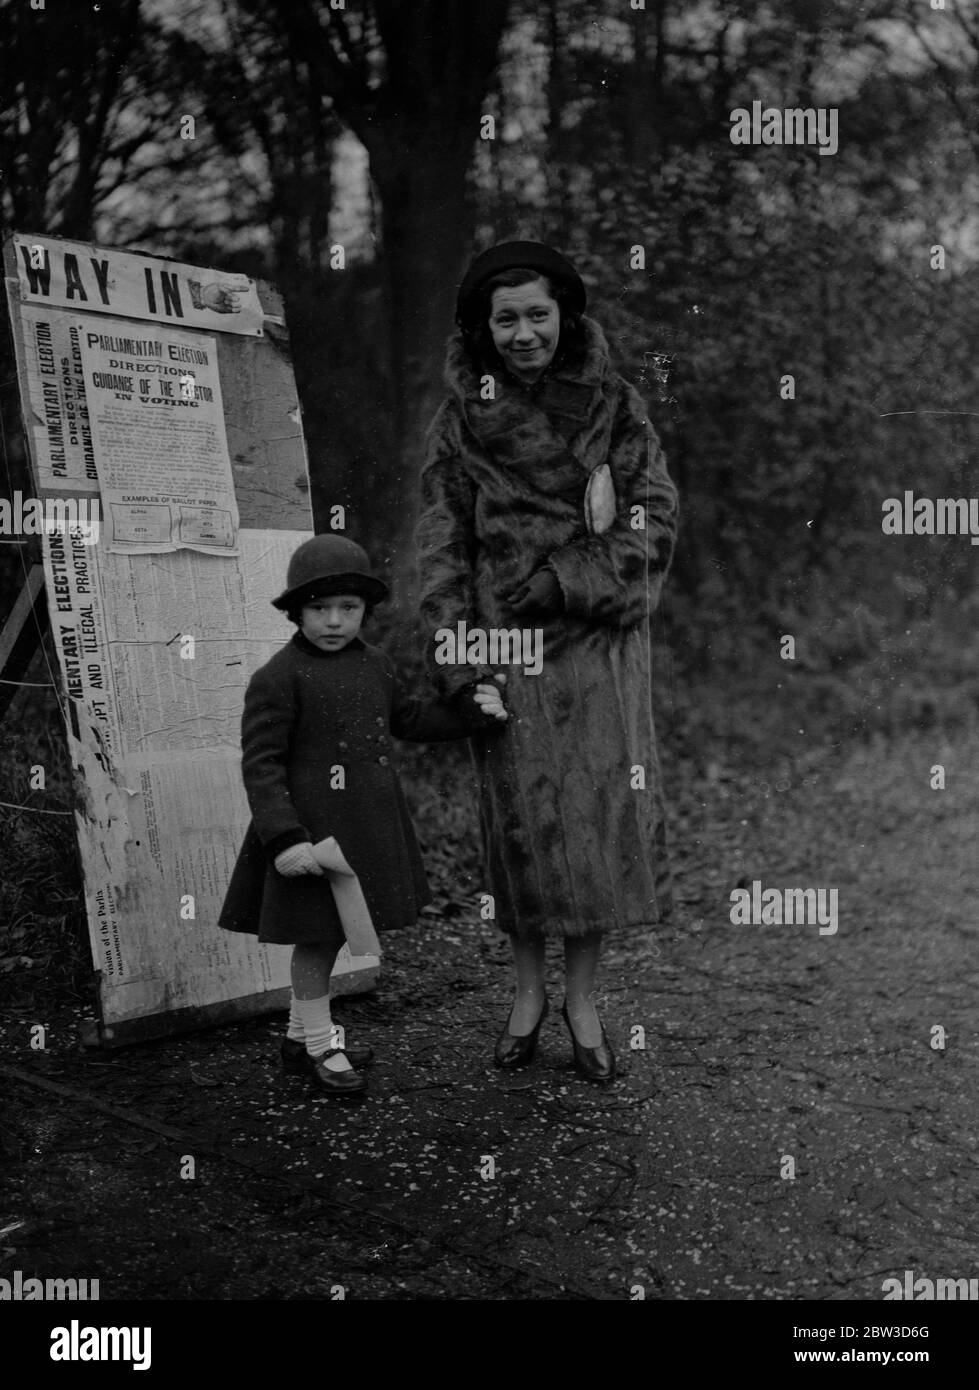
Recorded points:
(570, 789)
(308, 712)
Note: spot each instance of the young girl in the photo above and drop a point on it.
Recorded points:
(316, 761)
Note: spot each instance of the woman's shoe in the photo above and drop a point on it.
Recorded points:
(297, 1061)
(512, 1051)
(594, 1063)
(336, 1083)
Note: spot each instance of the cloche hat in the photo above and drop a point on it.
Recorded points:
(507, 255)
(326, 565)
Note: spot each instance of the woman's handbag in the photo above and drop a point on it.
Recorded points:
(600, 500)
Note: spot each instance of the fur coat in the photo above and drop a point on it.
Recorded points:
(571, 797)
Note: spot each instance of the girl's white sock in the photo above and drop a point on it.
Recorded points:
(295, 1029)
(318, 1029)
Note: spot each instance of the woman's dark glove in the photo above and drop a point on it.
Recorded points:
(540, 595)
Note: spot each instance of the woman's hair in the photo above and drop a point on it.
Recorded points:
(476, 332)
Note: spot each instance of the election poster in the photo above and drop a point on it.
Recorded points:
(157, 422)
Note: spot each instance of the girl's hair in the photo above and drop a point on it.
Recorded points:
(476, 332)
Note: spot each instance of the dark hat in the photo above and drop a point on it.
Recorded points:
(508, 255)
(326, 565)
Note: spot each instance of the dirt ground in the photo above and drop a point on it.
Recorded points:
(762, 1044)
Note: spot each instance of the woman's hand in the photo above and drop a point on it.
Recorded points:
(541, 595)
(487, 697)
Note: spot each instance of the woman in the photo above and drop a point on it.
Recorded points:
(547, 505)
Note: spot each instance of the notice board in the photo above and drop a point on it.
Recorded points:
(168, 461)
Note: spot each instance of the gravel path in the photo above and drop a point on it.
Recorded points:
(766, 1047)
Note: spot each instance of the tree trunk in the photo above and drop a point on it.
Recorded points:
(410, 80)
(426, 227)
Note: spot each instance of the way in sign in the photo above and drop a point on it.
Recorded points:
(90, 283)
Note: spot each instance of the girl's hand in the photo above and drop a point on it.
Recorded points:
(296, 860)
(487, 697)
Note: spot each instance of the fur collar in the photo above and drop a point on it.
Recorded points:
(555, 430)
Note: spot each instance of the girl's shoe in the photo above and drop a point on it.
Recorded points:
(512, 1051)
(337, 1083)
(594, 1063)
(297, 1061)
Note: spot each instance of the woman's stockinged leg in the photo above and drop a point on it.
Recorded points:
(581, 955)
(529, 962)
